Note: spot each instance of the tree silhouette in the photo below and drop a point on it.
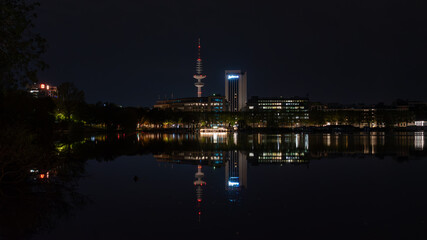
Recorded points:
(20, 48)
(69, 99)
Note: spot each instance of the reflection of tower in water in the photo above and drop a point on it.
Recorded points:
(199, 183)
(235, 174)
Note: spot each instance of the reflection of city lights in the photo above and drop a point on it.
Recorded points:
(213, 130)
(272, 154)
(233, 184)
(419, 141)
(306, 142)
(216, 137)
(297, 140)
(365, 145)
(373, 140)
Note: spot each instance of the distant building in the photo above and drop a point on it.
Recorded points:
(213, 103)
(317, 106)
(43, 90)
(361, 115)
(373, 115)
(278, 110)
(236, 89)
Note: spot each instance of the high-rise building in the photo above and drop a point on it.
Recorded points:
(236, 89)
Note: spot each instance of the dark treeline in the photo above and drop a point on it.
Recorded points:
(378, 118)
(36, 181)
(70, 112)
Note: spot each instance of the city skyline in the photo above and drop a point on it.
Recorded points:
(213, 119)
(334, 52)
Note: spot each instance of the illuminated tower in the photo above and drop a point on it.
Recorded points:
(235, 89)
(199, 76)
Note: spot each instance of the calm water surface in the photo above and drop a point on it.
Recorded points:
(236, 186)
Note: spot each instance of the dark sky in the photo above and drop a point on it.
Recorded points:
(130, 52)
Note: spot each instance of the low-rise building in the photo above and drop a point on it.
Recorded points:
(43, 90)
(278, 111)
(214, 103)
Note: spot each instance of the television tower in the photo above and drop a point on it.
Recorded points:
(199, 76)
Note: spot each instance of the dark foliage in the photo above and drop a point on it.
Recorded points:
(20, 47)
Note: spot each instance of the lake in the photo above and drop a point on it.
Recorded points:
(233, 186)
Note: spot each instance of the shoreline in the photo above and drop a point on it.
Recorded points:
(330, 129)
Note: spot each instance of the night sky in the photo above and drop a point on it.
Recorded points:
(132, 52)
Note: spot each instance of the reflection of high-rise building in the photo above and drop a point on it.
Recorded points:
(235, 174)
(236, 89)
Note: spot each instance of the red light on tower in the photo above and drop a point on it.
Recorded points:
(42, 86)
